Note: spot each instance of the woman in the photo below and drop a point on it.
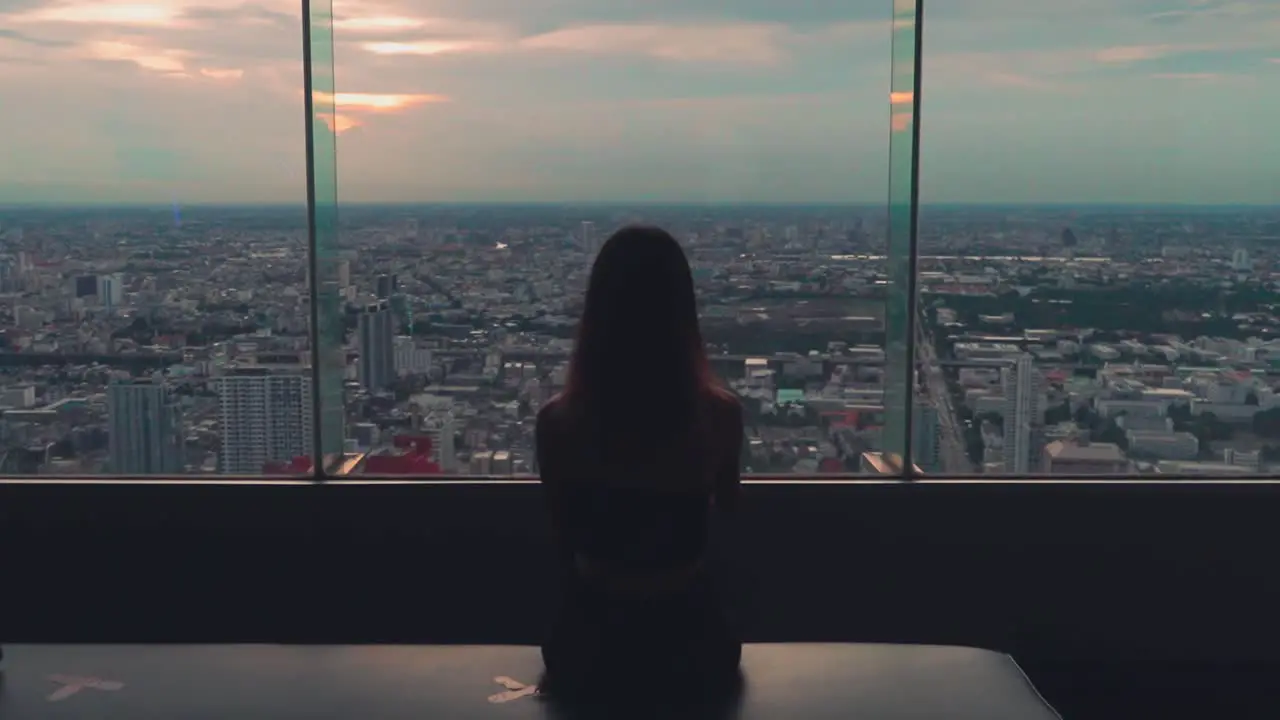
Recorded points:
(634, 456)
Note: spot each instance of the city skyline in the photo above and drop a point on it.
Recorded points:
(1156, 102)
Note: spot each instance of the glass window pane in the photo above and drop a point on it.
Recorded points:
(900, 258)
(1099, 224)
(329, 357)
(488, 151)
(152, 239)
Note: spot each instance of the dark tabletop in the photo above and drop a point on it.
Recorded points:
(368, 682)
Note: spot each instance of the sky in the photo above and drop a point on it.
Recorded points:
(200, 101)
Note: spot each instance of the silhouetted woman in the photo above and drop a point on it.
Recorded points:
(635, 455)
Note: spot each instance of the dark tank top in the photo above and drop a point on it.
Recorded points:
(635, 529)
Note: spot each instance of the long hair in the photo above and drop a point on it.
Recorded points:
(639, 369)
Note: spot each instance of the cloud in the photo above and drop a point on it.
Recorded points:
(378, 102)
(427, 47)
(222, 73)
(1137, 53)
(379, 23)
(1212, 9)
(717, 43)
(1018, 80)
(1187, 76)
(338, 124)
(348, 108)
(161, 60)
(16, 36)
(243, 13)
(109, 13)
(745, 43)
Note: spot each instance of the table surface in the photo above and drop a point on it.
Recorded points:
(240, 682)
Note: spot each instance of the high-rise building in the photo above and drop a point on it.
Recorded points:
(344, 273)
(1023, 416)
(1240, 260)
(376, 344)
(86, 285)
(145, 429)
(266, 417)
(110, 290)
(590, 242)
(386, 286)
(411, 359)
(440, 426)
(926, 438)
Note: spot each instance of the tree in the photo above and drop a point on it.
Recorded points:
(1058, 413)
(1267, 423)
(1214, 428)
(1085, 415)
(1180, 413)
(1112, 433)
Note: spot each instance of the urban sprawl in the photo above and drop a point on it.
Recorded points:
(1059, 340)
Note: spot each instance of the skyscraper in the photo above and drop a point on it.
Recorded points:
(145, 429)
(266, 417)
(377, 347)
(1023, 416)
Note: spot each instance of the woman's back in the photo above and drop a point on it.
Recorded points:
(649, 513)
(632, 543)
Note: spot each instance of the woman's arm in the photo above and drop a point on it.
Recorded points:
(728, 478)
(550, 470)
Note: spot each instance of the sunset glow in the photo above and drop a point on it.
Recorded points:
(104, 12)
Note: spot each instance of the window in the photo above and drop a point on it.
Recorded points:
(1099, 223)
(152, 238)
(1045, 248)
(487, 153)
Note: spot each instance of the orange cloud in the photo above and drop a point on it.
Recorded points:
(336, 123)
(159, 60)
(902, 98)
(377, 102)
(377, 23)
(426, 47)
(222, 73)
(147, 14)
(900, 121)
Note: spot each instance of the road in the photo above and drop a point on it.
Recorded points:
(955, 460)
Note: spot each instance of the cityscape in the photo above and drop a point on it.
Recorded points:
(1059, 340)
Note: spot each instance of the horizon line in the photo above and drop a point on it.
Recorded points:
(168, 205)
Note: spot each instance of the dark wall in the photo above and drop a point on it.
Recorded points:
(1050, 571)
